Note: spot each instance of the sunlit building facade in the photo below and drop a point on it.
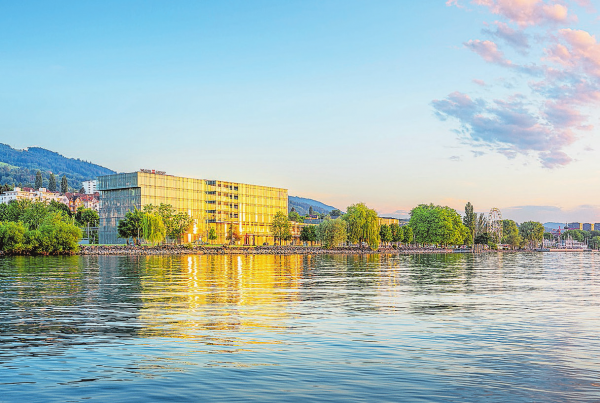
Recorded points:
(211, 203)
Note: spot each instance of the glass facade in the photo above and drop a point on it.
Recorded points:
(211, 203)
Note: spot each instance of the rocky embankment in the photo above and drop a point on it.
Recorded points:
(236, 250)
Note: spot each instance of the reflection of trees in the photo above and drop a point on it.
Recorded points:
(210, 292)
(54, 302)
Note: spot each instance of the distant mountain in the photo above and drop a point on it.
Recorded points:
(302, 205)
(19, 167)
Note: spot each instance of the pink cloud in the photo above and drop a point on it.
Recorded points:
(527, 12)
(513, 37)
(488, 50)
(479, 82)
(579, 50)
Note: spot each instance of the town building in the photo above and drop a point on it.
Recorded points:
(40, 195)
(587, 226)
(574, 225)
(90, 187)
(77, 200)
(211, 203)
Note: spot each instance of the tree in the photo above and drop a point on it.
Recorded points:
(179, 224)
(470, 219)
(408, 235)
(510, 234)
(332, 232)
(308, 234)
(212, 234)
(294, 216)
(311, 211)
(483, 239)
(335, 213)
(52, 183)
(233, 235)
(87, 217)
(38, 180)
(82, 190)
(397, 232)
(575, 234)
(153, 228)
(64, 185)
(481, 226)
(131, 225)
(385, 233)
(532, 232)
(595, 242)
(281, 227)
(548, 236)
(363, 225)
(60, 207)
(437, 225)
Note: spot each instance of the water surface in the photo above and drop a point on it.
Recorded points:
(486, 328)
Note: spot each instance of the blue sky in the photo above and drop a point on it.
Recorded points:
(393, 103)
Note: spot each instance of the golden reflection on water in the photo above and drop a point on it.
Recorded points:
(194, 296)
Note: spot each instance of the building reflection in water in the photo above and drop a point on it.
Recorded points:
(199, 296)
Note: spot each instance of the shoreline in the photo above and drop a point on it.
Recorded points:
(95, 250)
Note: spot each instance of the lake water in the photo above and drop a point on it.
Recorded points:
(486, 328)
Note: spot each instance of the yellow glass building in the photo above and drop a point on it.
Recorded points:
(211, 203)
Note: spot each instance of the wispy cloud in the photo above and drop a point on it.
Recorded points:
(528, 12)
(516, 38)
(566, 84)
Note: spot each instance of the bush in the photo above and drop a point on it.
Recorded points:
(12, 237)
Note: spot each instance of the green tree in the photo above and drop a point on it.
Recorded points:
(409, 236)
(575, 234)
(595, 242)
(87, 217)
(510, 234)
(12, 237)
(363, 225)
(38, 180)
(64, 185)
(60, 207)
(294, 216)
(281, 228)
(179, 224)
(34, 215)
(532, 232)
(437, 225)
(52, 183)
(308, 234)
(332, 233)
(311, 211)
(470, 219)
(153, 228)
(131, 225)
(385, 233)
(335, 213)
(397, 233)
(548, 236)
(481, 226)
(212, 234)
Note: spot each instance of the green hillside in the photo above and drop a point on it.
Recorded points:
(18, 167)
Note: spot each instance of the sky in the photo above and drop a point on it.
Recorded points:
(391, 103)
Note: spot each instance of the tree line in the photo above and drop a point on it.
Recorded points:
(154, 224)
(37, 228)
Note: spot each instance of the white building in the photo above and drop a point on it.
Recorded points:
(89, 187)
(41, 195)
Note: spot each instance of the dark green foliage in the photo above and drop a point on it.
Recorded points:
(483, 239)
(36, 228)
(335, 213)
(87, 217)
(52, 183)
(294, 216)
(22, 165)
(131, 225)
(385, 233)
(575, 234)
(311, 211)
(39, 182)
(308, 234)
(408, 235)
(64, 185)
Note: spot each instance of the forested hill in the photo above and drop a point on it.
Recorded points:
(18, 167)
(302, 205)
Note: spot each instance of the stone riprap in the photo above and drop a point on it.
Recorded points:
(251, 250)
